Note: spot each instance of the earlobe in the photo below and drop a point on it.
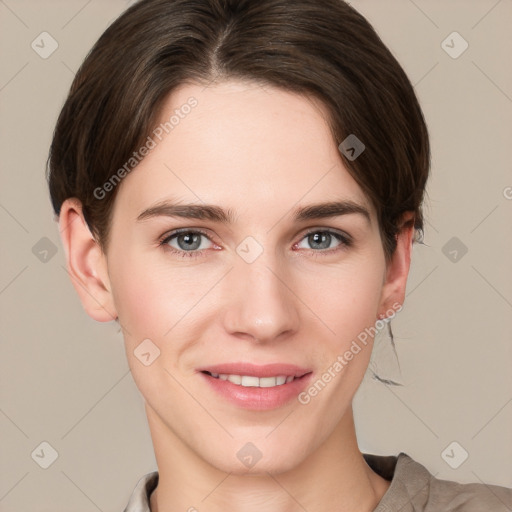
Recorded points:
(86, 263)
(397, 271)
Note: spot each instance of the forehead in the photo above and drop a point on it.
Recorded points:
(240, 143)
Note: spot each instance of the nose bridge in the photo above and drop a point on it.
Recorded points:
(261, 305)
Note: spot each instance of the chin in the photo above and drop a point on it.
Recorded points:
(254, 461)
(260, 469)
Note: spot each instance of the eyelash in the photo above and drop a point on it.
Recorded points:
(183, 254)
(345, 240)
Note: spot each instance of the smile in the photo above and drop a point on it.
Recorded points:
(256, 388)
(250, 381)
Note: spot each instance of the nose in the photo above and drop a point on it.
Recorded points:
(262, 306)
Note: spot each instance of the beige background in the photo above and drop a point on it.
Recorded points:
(64, 377)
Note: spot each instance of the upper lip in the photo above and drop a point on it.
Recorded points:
(249, 369)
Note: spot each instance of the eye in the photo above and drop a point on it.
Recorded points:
(323, 240)
(190, 243)
(186, 242)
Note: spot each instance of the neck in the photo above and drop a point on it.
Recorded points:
(334, 478)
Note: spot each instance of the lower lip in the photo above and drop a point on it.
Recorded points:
(257, 398)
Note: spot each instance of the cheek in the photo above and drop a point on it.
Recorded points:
(160, 302)
(346, 299)
(145, 302)
(149, 294)
(139, 298)
(149, 304)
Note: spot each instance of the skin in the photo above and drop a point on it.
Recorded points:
(261, 152)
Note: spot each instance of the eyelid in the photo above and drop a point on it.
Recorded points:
(343, 237)
(335, 231)
(170, 234)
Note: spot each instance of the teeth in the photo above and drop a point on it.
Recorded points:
(253, 382)
(268, 382)
(247, 381)
(235, 379)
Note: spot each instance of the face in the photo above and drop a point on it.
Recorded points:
(260, 284)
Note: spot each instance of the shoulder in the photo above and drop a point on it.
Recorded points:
(139, 499)
(414, 489)
(450, 496)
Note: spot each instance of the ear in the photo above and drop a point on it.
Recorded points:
(397, 269)
(86, 263)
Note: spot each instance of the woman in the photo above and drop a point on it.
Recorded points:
(280, 159)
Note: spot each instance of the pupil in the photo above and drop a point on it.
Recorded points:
(322, 239)
(190, 239)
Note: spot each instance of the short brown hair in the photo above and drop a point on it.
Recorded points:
(321, 48)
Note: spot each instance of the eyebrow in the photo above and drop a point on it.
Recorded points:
(218, 214)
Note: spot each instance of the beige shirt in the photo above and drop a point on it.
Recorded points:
(412, 489)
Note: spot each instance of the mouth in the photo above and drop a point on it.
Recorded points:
(251, 381)
(258, 388)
